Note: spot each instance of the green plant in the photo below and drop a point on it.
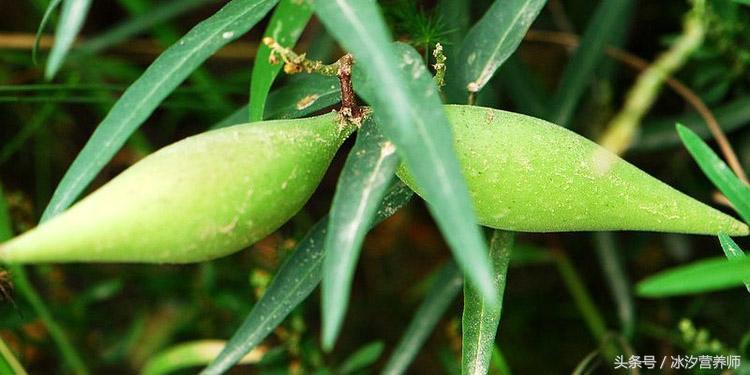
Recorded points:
(218, 192)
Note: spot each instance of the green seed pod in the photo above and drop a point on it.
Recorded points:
(529, 175)
(201, 198)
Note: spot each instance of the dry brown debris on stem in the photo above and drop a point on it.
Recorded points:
(294, 63)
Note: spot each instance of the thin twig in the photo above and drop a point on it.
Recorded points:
(298, 63)
(639, 64)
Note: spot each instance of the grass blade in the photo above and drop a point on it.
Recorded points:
(698, 277)
(53, 4)
(581, 67)
(191, 354)
(494, 38)
(302, 95)
(717, 171)
(371, 164)
(138, 102)
(127, 29)
(480, 318)
(295, 280)
(286, 25)
(733, 252)
(408, 108)
(72, 17)
(443, 291)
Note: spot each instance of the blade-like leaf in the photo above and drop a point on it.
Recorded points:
(371, 164)
(191, 354)
(53, 4)
(717, 171)
(698, 277)
(142, 97)
(302, 95)
(72, 17)
(408, 108)
(286, 26)
(589, 53)
(494, 38)
(443, 291)
(733, 252)
(480, 318)
(295, 280)
(365, 356)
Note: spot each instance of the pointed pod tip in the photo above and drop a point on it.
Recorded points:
(740, 229)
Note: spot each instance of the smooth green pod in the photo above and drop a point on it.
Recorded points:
(200, 198)
(529, 175)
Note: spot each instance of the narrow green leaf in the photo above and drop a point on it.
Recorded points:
(295, 280)
(480, 318)
(443, 291)
(72, 17)
(698, 277)
(494, 38)
(733, 252)
(731, 249)
(362, 358)
(138, 102)
(659, 133)
(190, 354)
(371, 164)
(131, 27)
(581, 67)
(717, 171)
(286, 25)
(53, 4)
(408, 108)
